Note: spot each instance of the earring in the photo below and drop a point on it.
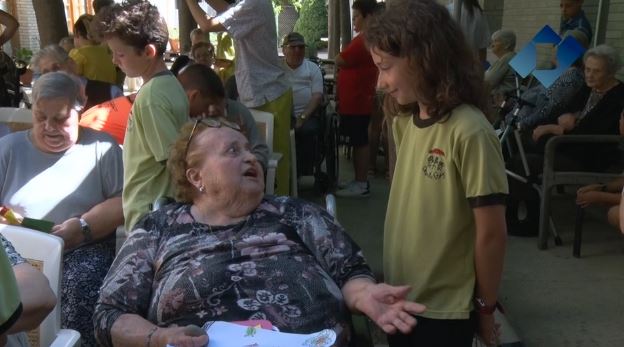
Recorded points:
(202, 188)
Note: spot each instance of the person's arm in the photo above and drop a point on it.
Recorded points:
(10, 27)
(207, 24)
(38, 300)
(490, 244)
(340, 62)
(103, 219)
(547, 129)
(133, 330)
(315, 101)
(386, 305)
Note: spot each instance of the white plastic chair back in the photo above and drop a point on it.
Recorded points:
(265, 124)
(16, 118)
(44, 252)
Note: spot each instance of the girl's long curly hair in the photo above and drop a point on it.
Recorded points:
(443, 67)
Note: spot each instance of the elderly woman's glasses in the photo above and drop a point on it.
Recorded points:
(211, 123)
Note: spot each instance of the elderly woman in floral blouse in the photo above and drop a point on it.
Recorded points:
(227, 252)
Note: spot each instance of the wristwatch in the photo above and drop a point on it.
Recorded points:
(86, 230)
(482, 308)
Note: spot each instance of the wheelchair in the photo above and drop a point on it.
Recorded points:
(317, 149)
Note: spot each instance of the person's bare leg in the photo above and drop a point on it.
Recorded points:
(613, 216)
(360, 163)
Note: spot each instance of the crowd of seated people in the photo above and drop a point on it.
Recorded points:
(594, 110)
(540, 105)
(230, 232)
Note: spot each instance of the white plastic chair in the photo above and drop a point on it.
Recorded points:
(45, 252)
(294, 189)
(16, 118)
(265, 123)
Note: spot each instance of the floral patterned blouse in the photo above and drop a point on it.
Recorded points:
(285, 263)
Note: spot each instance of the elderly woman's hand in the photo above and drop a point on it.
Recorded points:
(70, 231)
(187, 336)
(386, 305)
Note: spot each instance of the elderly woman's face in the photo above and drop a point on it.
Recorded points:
(596, 74)
(228, 167)
(498, 48)
(55, 125)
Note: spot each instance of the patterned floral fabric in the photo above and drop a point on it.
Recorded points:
(14, 257)
(285, 263)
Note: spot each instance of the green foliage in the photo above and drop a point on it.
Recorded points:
(312, 23)
(24, 55)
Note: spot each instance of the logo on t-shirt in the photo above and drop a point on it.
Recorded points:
(434, 165)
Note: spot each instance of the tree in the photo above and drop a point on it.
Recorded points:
(312, 23)
(187, 24)
(51, 20)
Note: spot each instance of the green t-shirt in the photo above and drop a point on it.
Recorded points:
(159, 111)
(10, 304)
(443, 171)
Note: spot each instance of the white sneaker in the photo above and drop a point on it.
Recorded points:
(345, 184)
(355, 190)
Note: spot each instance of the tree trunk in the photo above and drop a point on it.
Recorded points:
(51, 20)
(345, 23)
(333, 28)
(187, 24)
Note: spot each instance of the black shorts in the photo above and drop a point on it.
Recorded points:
(355, 129)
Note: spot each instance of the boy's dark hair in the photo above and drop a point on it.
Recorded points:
(100, 4)
(136, 23)
(366, 7)
(204, 79)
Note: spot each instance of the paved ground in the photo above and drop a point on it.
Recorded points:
(552, 299)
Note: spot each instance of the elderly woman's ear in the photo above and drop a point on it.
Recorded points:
(194, 176)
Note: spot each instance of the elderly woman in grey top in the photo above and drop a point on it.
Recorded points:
(500, 77)
(73, 177)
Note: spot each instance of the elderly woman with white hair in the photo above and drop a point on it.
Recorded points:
(594, 110)
(500, 77)
(73, 177)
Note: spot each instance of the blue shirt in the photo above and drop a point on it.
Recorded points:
(579, 22)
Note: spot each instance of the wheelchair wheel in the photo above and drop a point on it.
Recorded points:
(523, 206)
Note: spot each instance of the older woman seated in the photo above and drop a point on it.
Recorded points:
(226, 252)
(500, 77)
(595, 109)
(543, 105)
(73, 177)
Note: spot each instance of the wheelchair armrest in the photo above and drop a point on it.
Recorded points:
(556, 141)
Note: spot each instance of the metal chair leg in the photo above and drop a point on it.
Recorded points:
(578, 230)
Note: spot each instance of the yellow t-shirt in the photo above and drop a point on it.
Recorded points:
(94, 63)
(443, 171)
(159, 111)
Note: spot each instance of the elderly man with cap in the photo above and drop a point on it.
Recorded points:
(307, 84)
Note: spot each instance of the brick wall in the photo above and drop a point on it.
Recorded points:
(614, 29)
(28, 31)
